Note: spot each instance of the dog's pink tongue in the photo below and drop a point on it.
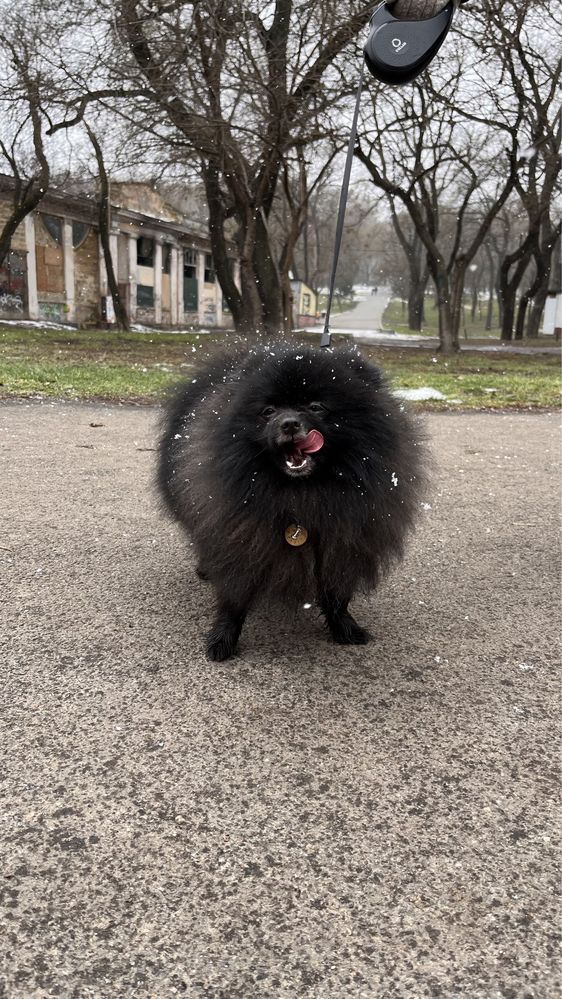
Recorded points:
(312, 442)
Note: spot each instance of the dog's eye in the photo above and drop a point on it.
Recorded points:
(316, 407)
(268, 412)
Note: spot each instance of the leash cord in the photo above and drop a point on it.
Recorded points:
(326, 335)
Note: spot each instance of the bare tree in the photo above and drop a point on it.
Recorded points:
(459, 140)
(537, 290)
(416, 262)
(430, 164)
(104, 225)
(516, 82)
(22, 147)
(243, 89)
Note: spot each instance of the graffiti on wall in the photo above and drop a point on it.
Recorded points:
(52, 311)
(13, 286)
(10, 302)
(209, 308)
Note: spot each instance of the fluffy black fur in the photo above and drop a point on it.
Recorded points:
(224, 475)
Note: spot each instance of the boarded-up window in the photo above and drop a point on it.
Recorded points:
(209, 269)
(190, 264)
(50, 274)
(145, 296)
(190, 296)
(80, 231)
(145, 252)
(53, 225)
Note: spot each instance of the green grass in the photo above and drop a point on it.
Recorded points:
(95, 364)
(396, 318)
(84, 381)
(137, 367)
(44, 340)
(472, 380)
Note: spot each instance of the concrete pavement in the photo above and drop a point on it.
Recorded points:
(307, 820)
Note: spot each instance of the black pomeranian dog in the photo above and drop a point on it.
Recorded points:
(298, 476)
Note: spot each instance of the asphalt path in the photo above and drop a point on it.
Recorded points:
(306, 820)
(366, 314)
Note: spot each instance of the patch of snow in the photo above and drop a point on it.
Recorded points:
(419, 394)
(139, 328)
(38, 324)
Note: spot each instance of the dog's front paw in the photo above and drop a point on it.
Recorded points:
(221, 645)
(347, 632)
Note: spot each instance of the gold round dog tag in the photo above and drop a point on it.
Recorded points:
(296, 535)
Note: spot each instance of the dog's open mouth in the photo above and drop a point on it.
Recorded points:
(295, 460)
(297, 452)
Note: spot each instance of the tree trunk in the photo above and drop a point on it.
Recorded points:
(457, 297)
(489, 310)
(508, 314)
(448, 334)
(306, 263)
(508, 292)
(521, 313)
(250, 315)
(259, 304)
(26, 197)
(536, 311)
(499, 300)
(268, 280)
(474, 304)
(104, 222)
(416, 295)
(548, 266)
(27, 193)
(491, 287)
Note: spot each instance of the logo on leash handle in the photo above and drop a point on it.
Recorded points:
(397, 50)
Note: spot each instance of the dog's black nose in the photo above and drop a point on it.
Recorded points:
(290, 425)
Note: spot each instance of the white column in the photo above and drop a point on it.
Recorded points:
(132, 277)
(114, 253)
(102, 270)
(218, 293)
(157, 281)
(32, 300)
(200, 287)
(68, 264)
(174, 285)
(180, 284)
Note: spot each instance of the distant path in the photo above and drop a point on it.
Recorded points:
(366, 315)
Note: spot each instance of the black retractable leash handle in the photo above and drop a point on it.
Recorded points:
(396, 51)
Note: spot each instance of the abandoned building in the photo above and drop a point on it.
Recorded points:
(163, 263)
